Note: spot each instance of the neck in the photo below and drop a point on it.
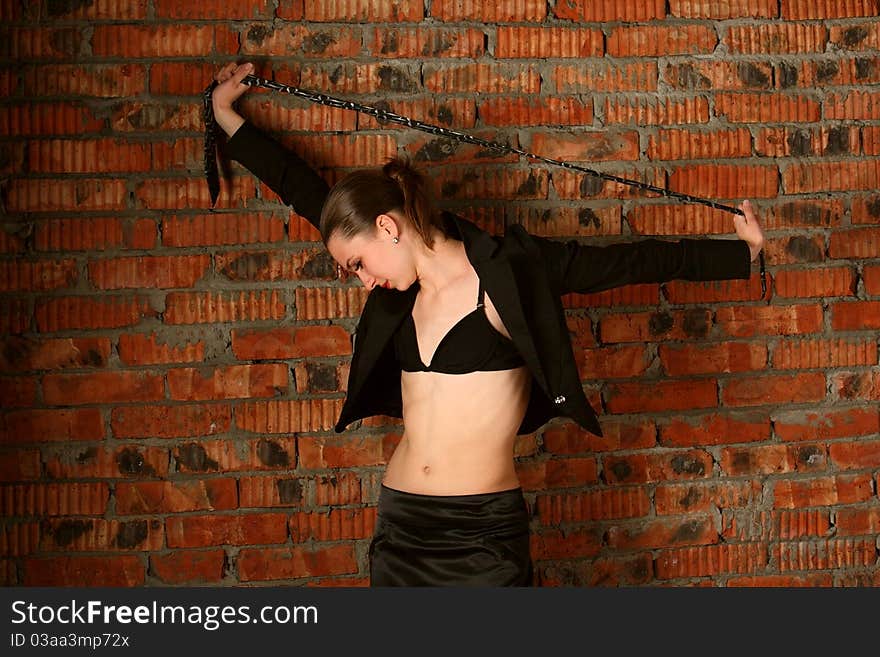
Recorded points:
(438, 267)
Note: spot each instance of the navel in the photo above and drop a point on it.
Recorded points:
(426, 469)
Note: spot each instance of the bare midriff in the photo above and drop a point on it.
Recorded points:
(459, 432)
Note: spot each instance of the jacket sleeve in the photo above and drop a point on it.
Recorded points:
(576, 267)
(284, 172)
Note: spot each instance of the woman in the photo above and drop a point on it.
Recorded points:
(463, 335)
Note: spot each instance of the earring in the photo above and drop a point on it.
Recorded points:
(395, 240)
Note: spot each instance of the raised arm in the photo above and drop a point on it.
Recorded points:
(284, 172)
(576, 267)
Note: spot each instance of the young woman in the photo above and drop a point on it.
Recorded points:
(463, 335)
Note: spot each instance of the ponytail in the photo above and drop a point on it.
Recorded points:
(355, 201)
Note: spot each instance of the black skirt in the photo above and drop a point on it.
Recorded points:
(451, 540)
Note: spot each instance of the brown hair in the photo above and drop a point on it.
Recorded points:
(355, 201)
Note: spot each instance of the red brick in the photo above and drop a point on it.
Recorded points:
(24, 427)
(855, 455)
(20, 465)
(726, 181)
(414, 42)
(296, 562)
(810, 354)
(102, 388)
(558, 473)
(810, 9)
(811, 580)
(445, 150)
(662, 533)
(98, 10)
(585, 186)
(831, 176)
(812, 213)
(87, 156)
(83, 571)
(18, 354)
(786, 524)
(305, 264)
(202, 531)
(855, 244)
(86, 499)
(812, 73)
(72, 80)
(714, 429)
(156, 116)
(142, 349)
(171, 193)
(654, 326)
(521, 11)
(865, 36)
(214, 9)
(612, 362)
(679, 292)
(543, 111)
(574, 543)
(723, 10)
(100, 535)
(79, 234)
(801, 142)
(652, 110)
(824, 555)
(871, 280)
(569, 438)
(15, 316)
(458, 113)
(148, 271)
(657, 40)
(107, 462)
(822, 491)
(858, 385)
(766, 108)
(332, 452)
(159, 497)
(300, 40)
(691, 145)
(746, 321)
(170, 421)
(348, 151)
(229, 382)
(18, 392)
(48, 119)
(494, 78)
(222, 229)
(855, 315)
(289, 416)
(851, 522)
(192, 567)
(286, 343)
(33, 195)
(599, 12)
(836, 282)
(338, 524)
(774, 389)
(543, 42)
(695, 497)
(776, 37)
(711, 560)
(337, 489)
(39, 276)
(19, 539)
(652, 467)
(178, 79)
(273, 491)
(605, 77)
(604, 504)
(626, 570)
(466, 183)
(645, 397)
(227, 456)
(771, 459)
(224, 306)
(586, 146)
(163, 41)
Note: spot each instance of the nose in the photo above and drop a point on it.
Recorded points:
(368, 281)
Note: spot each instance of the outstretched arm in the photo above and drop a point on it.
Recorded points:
(576, 267)
(284, 172)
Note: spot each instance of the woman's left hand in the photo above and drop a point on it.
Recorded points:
(749, 230)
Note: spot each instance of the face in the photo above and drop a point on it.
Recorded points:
(375, 259)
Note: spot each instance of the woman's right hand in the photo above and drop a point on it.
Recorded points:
(230, 88)
(227, 92)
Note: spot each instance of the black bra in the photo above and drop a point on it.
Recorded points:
(472, 345)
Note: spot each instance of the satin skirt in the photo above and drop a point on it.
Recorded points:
(451, 540)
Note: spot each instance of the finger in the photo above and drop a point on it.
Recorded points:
(224, 73)
(242, 71)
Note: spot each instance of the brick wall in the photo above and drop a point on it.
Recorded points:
(169, 375)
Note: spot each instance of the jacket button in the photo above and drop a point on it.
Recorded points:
(559, 400)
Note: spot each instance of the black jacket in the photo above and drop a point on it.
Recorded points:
(524, 275)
